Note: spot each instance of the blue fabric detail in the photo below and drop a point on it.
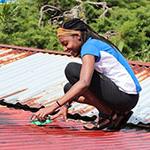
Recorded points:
(90, 49)
(130, 71)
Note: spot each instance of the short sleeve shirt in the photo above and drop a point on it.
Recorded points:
(112, 64)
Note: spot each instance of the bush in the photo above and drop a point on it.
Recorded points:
(129, 19)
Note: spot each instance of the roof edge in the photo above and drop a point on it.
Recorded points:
(139, 63)
(34, 49)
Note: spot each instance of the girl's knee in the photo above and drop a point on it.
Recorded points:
(67, 87)
(69, 68)
(72, 72)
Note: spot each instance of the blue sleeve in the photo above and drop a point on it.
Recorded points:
(90, 49)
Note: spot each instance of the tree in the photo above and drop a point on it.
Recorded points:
(33, 23)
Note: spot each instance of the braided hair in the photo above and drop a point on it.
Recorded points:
(86, 31)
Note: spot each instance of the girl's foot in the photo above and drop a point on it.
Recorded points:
(120, 121)
(104, 121)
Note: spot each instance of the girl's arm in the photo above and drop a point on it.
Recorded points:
(77, 89)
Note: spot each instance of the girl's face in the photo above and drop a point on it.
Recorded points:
(71, 44)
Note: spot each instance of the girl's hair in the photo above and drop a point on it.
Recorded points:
(86, 31)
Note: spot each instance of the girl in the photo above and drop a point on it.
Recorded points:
(103, 80)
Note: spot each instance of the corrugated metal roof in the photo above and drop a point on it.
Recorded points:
(37, 79)
(34, 78)
(35, 73)
(16, 133)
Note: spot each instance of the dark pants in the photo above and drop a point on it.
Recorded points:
(103, 88)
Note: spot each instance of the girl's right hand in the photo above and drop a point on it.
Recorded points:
(62, 112)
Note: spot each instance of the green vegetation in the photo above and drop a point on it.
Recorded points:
(128, 20)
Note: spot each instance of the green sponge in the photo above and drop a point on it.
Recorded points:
(41, 123)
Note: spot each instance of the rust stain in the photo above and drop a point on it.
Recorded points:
(143, 74)
(32, 102)
(12, 59)
(14, 93)
(10, 55)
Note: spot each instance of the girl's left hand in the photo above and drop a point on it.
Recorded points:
(43, 113)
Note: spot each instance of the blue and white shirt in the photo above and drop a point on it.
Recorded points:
(112, 64)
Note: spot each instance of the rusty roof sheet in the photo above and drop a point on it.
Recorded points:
(32, 78)
(35, 78)
(16, 132)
